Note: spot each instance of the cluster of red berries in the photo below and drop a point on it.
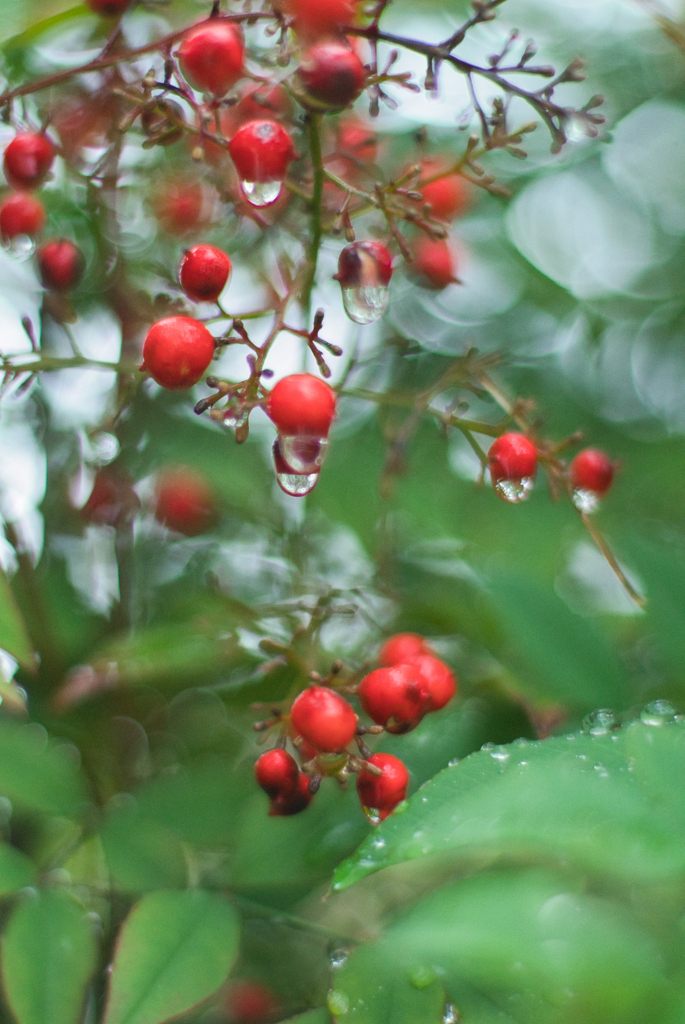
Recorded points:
(321, 724)
(513, 460)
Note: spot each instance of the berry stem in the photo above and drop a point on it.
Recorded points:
(313, 129)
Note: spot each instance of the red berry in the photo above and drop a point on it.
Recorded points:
(435, 262)
(302, 404)
(394, 697)
(28, 158)
(592, 470)
(402, 647)
(357, 141)
(435, 679)
(61, 264)
(251, 1002)
(382, 793)
(261, 151)
(364, 265)
(211, 56)
(331, 76)
(182, 206)
(21, 214)
(204, 272)
(316, 18)
(112, 499)
(277, 773)
(109, 8)
(185, 502)
(447, 196)
(324, 719)
(177, 352)
(294, 801)
(512, 457)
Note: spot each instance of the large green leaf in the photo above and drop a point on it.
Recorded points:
(16, 870)
(173, 951)
(48, 955)
(14, 637)
(609, 803)
(38, 773)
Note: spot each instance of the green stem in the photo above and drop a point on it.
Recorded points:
(314, 139)
(48, 364)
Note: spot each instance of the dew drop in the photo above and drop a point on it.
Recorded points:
(499, 753)
(599, 723)
(364, 305)
(19, 248)
(261, 193)
(294, 484)
(487, 747)
(422, 976)
(235, 416)
(454, 762)
(303, 452)
(515, 491)
(450, 1015)
(104, 448)
(658, 712)
(339, 958)
(585, 501)
(338, 1002)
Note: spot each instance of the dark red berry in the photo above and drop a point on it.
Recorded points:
(330, 76)
(316, 18)
(211, 56)
(302, 404)
(294, 801)
(592, 470)
(204, 272)
(364, 265)
(436, 679)
(251, 1002)
(448, 196)
(435, 263)
(512, 457)
(109, 8)
(261, 151)
(61, 264)
(402, 647)
(181, 206)
(357, 141)
(185, 502)
(382, 793)
(177, 352)
(28, 158)
(112, 499)
(21, 214)
(324, 719)
(277, 773)
(394, 697)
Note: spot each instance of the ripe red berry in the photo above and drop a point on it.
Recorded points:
(109, 8)
(436, 679)
(382, 793)
(513, 461)
(204, 272)
(185, 502)
(364, 272)
(28, 158)
(394, 697)
(316, 18)
(357, 141)
(448, 195)
(21, 214)
(402, 647)
(331, 76)
(112, 499)
(261, 151)
(211, 56)
(592, 470)
(61, 264)
(177, 352)
(302, 404)
(324, 719)
(277, 773)
(435, 263)
(181, 206)
(251, 1002)
(293, 801)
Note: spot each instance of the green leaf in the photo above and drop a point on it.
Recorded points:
(607, 803)
(320, 1016)
(522, 945)
(14, 637)
(48, 956)
(38, 773)
(173, 951)
(16, 870)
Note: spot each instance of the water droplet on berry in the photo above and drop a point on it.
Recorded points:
(599, 723)
(422, 976)
(261, 193)
(373, 814)
(338, 1002)
(339, 958)
(658, 712)
(515, 491)
(585, 501)
(104, 448)
(297, 485)
(19, 248)
(364, 305)
(302, 452)
(450, 1015)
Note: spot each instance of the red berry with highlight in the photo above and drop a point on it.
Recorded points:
(331, 76)
(28, 158)
(592, 470)
(277, 773)
(324, 719)
(394, 697)
(364, 265)
(182, 206)
(302, 404)
(316, 18)
(435, 263)
(185, 502)
(211, 56)
(251, 1002)
(512, 457)
(61, 265)
(204, 272)
(402, 647)
(292, 801)
(436, 679)
(382, 793)
(177, 352)
(261, 151)
(21, 214)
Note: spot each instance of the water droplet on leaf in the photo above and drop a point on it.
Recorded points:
(599, 723)
(658, 712)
